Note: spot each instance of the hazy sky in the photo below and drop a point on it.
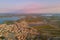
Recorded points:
(30, 6)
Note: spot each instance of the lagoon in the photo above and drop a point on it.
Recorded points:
(2, 20)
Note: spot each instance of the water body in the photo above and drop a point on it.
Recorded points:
(8, 19)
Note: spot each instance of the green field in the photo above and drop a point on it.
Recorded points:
(48, 30)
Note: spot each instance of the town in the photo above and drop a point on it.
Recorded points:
(31, 27)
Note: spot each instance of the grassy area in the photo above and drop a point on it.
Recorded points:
(46, 29)
(9, 22)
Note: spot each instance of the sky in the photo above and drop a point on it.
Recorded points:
(29, 6)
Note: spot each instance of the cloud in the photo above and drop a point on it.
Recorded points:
(33, 8)
(10, 9)
(37, 8)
